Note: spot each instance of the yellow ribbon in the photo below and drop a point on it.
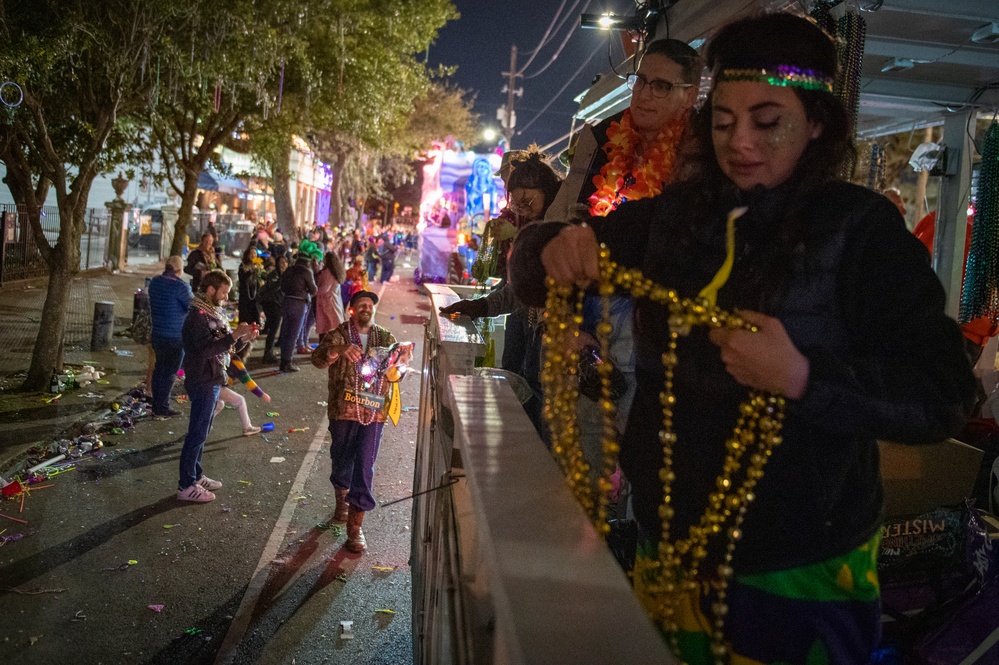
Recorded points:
(393, 405)
(710, 292)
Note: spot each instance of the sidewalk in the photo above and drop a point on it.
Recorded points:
(106, 565)
(25, 418)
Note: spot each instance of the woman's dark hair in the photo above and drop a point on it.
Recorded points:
(680, 53)
(764, 42)
(332, 263)
(249, 254)
(757, 43)
(533, 172)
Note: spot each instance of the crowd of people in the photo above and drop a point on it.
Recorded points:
(839, 321)
(283, 293)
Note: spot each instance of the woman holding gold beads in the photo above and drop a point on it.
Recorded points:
(751, 444)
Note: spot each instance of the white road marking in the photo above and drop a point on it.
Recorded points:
(241, 621)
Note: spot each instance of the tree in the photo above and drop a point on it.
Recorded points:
(83, 67)
(218, 63)
(352, 92)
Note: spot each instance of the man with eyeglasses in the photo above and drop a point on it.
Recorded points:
(631, 155)
(627, 157)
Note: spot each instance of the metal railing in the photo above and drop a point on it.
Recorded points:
(507, 569)
(223, 222)
(94, 243)
(21, 257)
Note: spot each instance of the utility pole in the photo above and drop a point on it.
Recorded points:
(507, 116)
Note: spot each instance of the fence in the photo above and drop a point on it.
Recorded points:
(21, 257)
(19, 254)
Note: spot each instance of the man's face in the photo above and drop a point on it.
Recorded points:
(217, 296)
(363, 311)
(648, 112)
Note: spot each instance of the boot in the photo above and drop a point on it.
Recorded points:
(340, 514)
(355, 537)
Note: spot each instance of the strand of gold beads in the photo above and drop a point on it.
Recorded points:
(559, 378)
(660, 583)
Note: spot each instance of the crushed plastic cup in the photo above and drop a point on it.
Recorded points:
(267, 427)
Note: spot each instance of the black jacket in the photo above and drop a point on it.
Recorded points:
(860, 301)
(298, 281)
(197, 265)
(204, 341)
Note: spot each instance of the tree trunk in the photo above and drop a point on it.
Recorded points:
(184, 215)
(64, 264)
(283, 207)
(336, 196)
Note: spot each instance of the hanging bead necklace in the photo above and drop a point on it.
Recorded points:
(980, 294)
(662, 583)
(355, 338)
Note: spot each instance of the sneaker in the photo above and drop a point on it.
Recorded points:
(195, 493)
(289, 367)
(207, 483)
(250, 431)
(303, 349)
(169, 413)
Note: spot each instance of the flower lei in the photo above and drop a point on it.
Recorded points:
(620, 179)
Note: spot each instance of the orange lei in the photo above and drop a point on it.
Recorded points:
(620, 180)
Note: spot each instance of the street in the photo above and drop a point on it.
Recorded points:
(111, 568)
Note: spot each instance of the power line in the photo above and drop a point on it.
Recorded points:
(544, 38)
(561, 22)
(561, 90)
(557, 53)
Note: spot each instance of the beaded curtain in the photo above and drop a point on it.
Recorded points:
(849, 32)
(876, 171)
(980, 295)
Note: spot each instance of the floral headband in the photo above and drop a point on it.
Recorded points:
(782, 76)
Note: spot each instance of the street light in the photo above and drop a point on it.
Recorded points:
(489, 134)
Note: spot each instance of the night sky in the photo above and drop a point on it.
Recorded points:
(479, 44)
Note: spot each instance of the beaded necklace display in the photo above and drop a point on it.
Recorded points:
(981, 282)
(355, 339)
(664, 582)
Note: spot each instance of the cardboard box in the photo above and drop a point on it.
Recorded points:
(920, 478)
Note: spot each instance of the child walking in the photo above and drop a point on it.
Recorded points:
(237, 370)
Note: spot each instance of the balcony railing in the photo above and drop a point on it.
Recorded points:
(506, 566)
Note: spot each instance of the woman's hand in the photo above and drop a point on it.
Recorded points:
(571, 257)
(766, 359)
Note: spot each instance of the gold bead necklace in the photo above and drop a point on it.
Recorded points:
(661, 583)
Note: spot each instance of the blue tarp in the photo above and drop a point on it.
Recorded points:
(213, 182)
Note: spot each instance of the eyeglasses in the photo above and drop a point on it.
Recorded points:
(657, 87)
(524, 203)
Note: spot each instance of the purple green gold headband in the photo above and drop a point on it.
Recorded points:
(781, 76)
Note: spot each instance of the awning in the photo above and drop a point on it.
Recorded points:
(213, 182)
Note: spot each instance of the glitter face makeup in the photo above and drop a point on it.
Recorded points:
(759, 132)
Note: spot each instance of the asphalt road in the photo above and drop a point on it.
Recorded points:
(254, 577)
